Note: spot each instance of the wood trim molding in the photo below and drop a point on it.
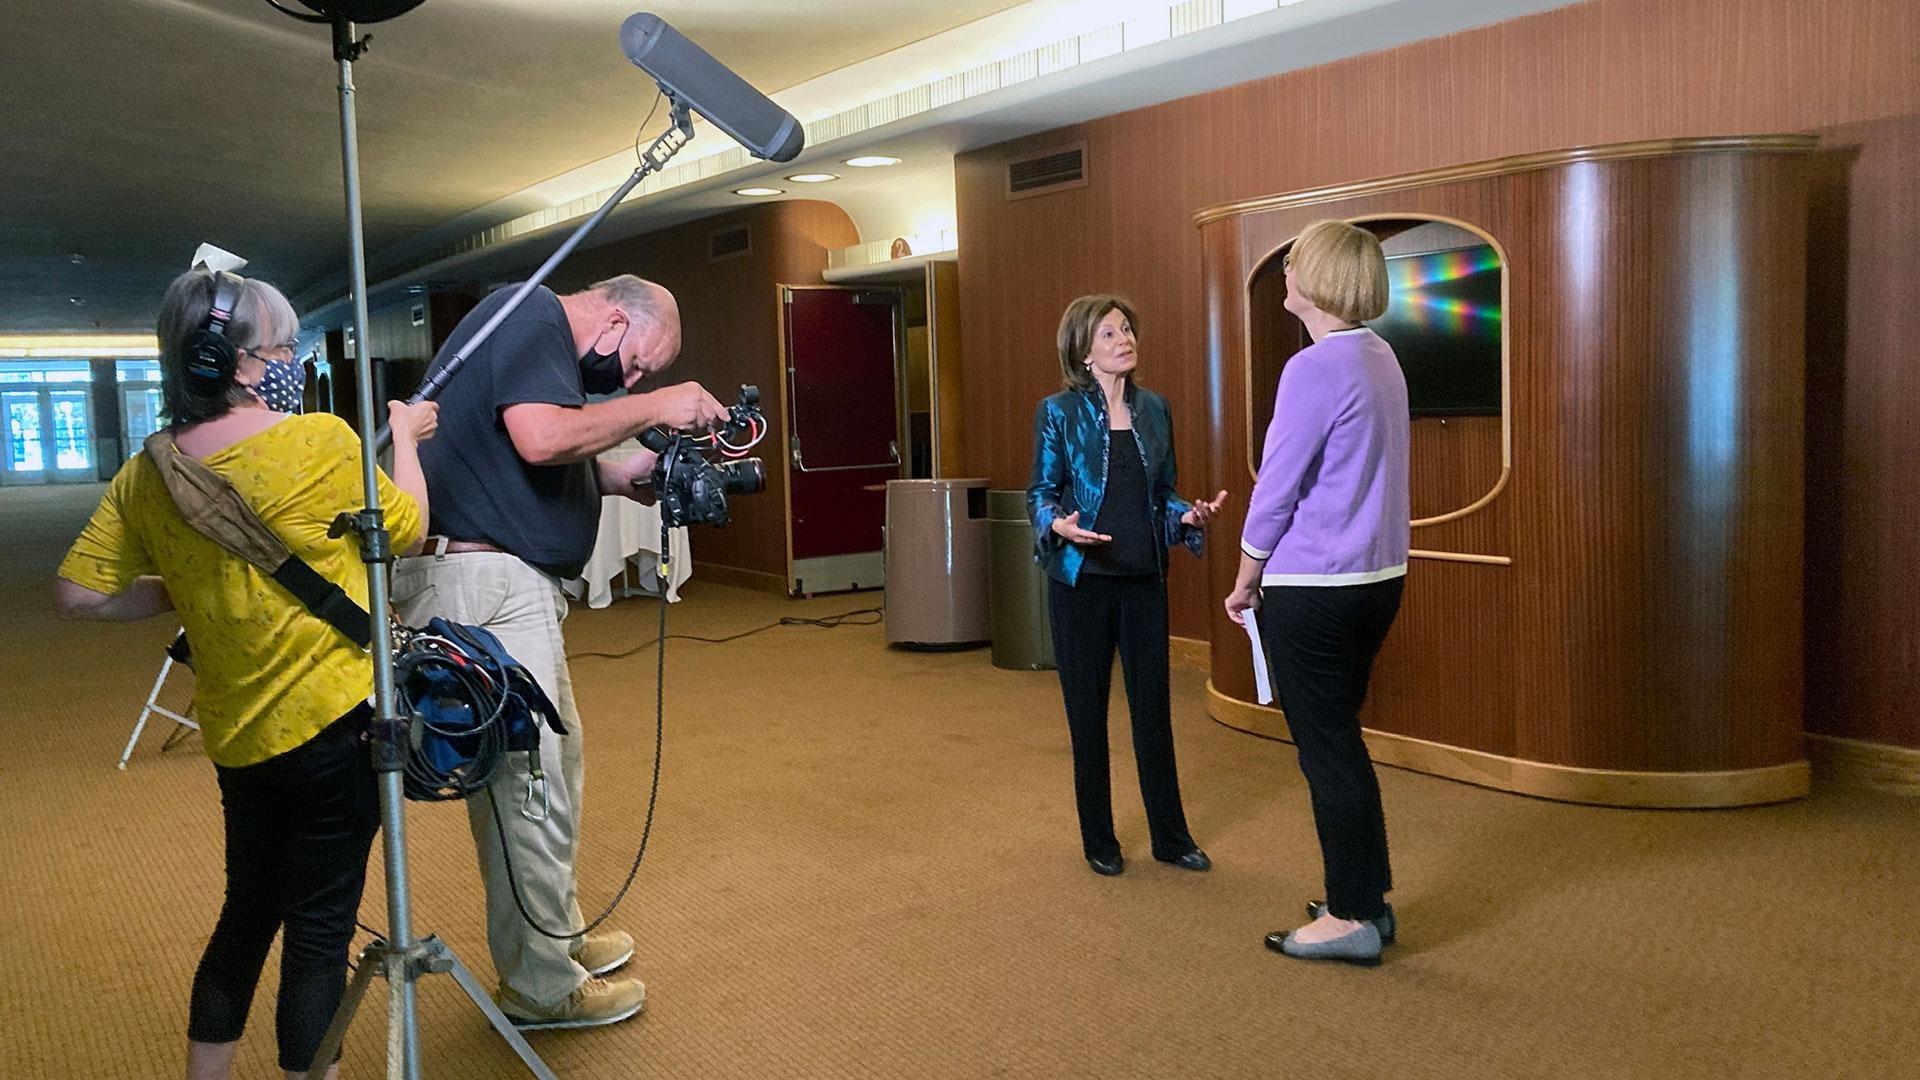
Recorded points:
(1461, 556)
(1189, 652)
(1627, 151)
(1855, 763)
(1563, 783)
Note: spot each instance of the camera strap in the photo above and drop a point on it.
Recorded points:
(212, 508)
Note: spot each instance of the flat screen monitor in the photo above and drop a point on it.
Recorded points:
(1443, 322)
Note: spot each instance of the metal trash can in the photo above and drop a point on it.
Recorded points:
(1017, 594)
(936, 551)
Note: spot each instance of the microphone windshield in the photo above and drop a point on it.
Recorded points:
(710, 88)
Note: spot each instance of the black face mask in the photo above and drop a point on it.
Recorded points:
(601, 373)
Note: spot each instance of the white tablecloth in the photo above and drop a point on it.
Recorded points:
(630, 540)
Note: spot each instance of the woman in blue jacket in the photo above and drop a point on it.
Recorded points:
(1104, 515)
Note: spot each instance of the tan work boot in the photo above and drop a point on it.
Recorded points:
(602, 951)
(592, 1003)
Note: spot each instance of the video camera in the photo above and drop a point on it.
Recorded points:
(691, 489)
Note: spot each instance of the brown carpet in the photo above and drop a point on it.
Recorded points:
(865, 865)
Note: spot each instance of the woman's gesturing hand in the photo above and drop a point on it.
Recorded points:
(1203, 512)
(1069, 528)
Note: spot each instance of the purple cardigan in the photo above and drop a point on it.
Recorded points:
(1330, 506)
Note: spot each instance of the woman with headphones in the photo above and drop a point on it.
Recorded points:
(281, 694)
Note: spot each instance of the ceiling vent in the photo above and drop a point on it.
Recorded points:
(729, 243)
(1052, 170)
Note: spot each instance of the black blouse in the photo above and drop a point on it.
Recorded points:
(1124, 514)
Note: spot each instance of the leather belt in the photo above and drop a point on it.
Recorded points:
(440, 545)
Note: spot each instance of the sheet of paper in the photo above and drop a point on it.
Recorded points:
(1262, 681)
(215, 258)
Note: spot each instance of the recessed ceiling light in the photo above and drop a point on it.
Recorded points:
(812, 177)
(758, 192)
(872, 161)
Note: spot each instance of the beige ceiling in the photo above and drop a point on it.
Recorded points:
(132, 130)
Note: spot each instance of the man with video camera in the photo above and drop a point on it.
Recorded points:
(516, 483)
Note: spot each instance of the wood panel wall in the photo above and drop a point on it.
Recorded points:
(730, 317)
(1863, 443)
(1605, 71)
(1651, 620)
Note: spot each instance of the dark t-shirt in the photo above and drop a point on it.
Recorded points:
(477, 485)
(1123, 514)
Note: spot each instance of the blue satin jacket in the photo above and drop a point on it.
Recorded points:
(1070, 447)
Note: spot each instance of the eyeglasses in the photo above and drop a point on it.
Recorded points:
(1286, 262)
(284, 349)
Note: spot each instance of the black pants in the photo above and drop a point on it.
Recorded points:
(1089, 621)
(1321, 641)
(299, 826)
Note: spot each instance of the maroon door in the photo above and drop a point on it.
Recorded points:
(842, 430)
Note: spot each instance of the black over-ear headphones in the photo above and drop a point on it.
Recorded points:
(210, 356)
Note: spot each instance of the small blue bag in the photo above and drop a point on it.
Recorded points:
(471, 702)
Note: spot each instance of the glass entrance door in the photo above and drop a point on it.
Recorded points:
(49, 435)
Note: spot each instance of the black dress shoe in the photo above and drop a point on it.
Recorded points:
(1194, 859)
(1107, 866)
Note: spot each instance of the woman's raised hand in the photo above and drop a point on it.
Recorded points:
(1203, 512)
(1069, 528)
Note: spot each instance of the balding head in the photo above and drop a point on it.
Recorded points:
(647, 318)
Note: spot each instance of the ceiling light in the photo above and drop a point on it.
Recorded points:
(872, 161)
(812, 177)
(758, 192)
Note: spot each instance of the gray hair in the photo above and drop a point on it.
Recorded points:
(638, 297)
(262, 317)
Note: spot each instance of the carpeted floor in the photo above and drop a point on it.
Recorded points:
(865, 864)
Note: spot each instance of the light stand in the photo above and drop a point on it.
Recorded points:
(401, 958)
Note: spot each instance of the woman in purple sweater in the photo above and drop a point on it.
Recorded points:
(1323, 557)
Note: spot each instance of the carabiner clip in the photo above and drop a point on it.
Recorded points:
(536, 792)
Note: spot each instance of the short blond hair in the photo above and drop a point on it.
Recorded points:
(1340, 267)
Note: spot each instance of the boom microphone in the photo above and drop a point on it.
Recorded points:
(710, 88)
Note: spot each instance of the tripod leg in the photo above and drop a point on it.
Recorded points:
(141, 724)
(494, 1016)
(371, 959)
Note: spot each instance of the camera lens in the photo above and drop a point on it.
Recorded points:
(745, 477)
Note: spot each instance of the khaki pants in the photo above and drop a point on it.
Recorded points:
(523, 608)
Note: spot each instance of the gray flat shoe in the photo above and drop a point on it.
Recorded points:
(1360, 947)
(1386, 924)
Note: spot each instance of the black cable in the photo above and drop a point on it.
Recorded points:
(659, 745)
(488, 736)
(829, 622)
(646, 829)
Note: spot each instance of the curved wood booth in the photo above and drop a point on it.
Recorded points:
(1604, 600)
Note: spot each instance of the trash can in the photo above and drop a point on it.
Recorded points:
(936, 551)
(1017, 595)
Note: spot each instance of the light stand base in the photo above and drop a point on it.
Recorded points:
(429, 955)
